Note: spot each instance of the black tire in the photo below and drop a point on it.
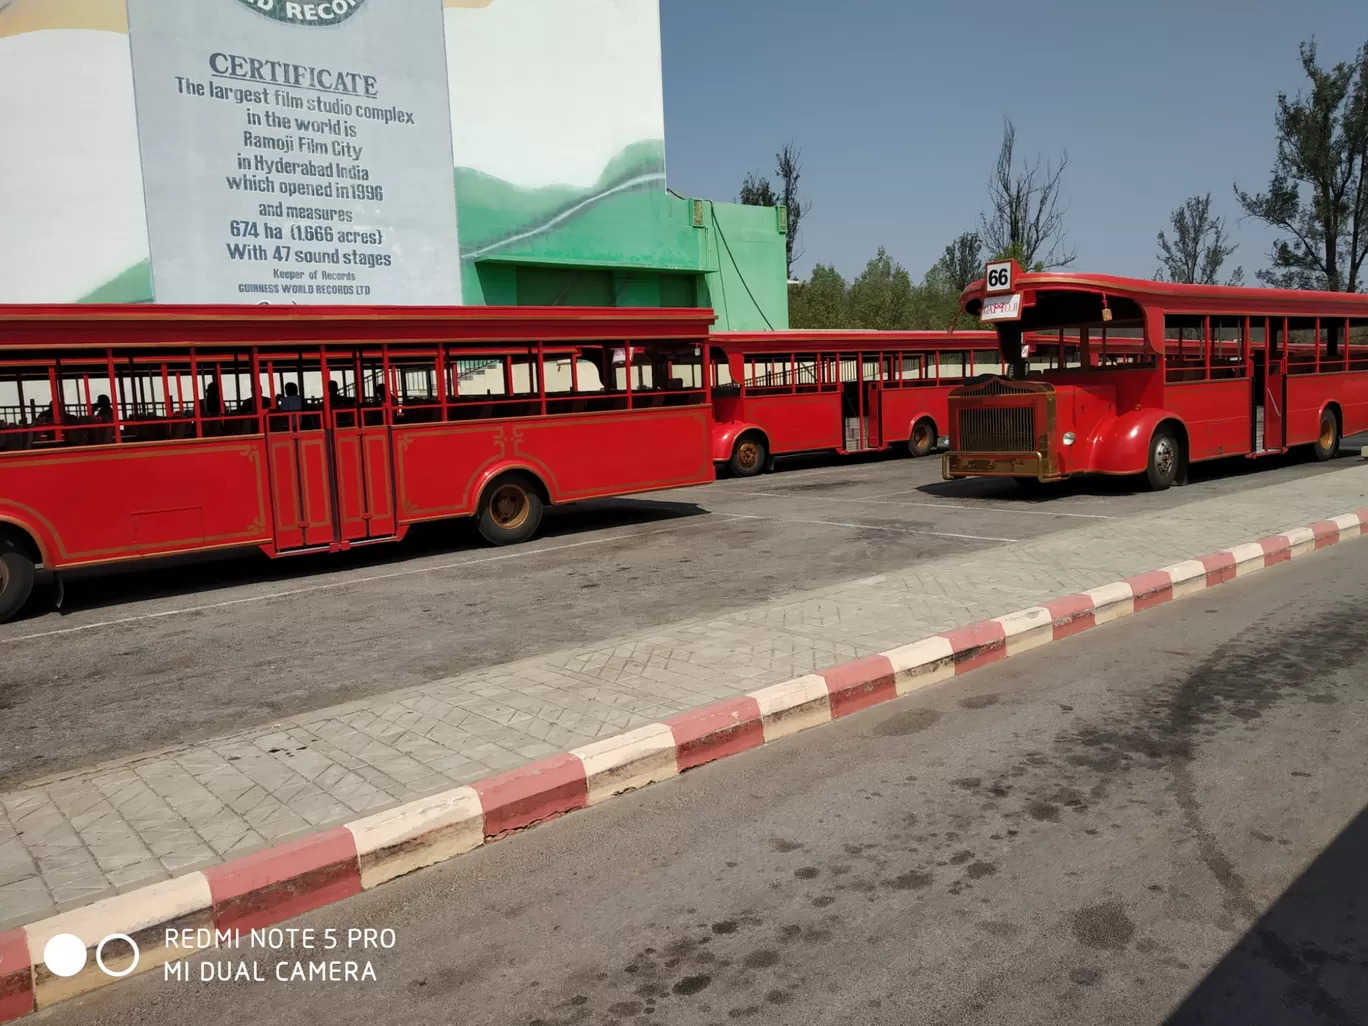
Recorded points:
(510, 510)
(1165, 460)
(923, 440)
(750, 456)
(1328, 438)
(16, 579)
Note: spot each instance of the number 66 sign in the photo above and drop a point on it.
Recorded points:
(999, 276)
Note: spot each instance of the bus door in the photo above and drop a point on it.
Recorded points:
(301, 493)
(365, 476)
(875, 367)
(1274, 399)
(858, 389)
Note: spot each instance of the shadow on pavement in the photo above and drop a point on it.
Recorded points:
(204, 574)
(1305, 961)
(1232, 468)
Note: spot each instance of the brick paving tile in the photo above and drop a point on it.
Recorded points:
(90, 834)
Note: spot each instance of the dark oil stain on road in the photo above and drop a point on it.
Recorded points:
(1104, 926)
(979, 701)
(906, 723)
(691, 984)
(762, 959)
(913, 881)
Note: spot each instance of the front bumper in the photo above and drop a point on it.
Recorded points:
(955, 465)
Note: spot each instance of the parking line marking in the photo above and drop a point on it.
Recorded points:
(931, 505)
(372, 578)
(869, 527)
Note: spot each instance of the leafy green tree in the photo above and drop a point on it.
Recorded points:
(1199, 247)
(820, 302)
(756, 191)
(1322, 146)
(882, 297)
(1017, 253)
(937, 298)
(962, 262)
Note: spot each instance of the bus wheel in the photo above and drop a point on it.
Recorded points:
(510, 511)
(749, 457)
(923, 440)
(16, 579)
(1328, 438)
(1164, 457)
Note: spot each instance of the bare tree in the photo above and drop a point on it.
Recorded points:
(1026, 222)
(1199, 247)
(1322, 144)
(789, 168)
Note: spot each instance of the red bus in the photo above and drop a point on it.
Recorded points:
(1154, 377)
(129, 432)
(778, 393)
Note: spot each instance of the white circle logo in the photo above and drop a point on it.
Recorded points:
(99, 955)
(64, 955)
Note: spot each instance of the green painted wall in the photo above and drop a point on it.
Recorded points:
(627, 248)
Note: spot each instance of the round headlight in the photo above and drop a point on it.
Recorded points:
(1068, 438)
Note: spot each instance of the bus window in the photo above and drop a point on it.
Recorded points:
(1227, 347)
(290, 391)
(955, 364)
(667, 373)
(769, 372)
(1358, 343)
(1184, 347)
(912, 371)
(155, 401)
(569, 378)
(23, 392)
(1302, 345)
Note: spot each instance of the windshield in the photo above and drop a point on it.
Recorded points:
(1072, 330)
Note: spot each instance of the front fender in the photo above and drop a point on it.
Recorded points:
(725, 434)
(1120, 445)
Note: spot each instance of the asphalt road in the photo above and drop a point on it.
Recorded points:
(1161, 821)
(140, 660)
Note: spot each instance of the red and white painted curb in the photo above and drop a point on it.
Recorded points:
(285, 881)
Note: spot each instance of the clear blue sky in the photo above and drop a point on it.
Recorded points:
(898, 109)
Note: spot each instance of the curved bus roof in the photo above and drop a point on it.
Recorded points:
(866, 339)
(75, 325)
(1180, 298)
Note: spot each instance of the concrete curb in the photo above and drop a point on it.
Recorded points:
(282, 882)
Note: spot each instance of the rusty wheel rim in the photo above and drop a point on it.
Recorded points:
(1327, 433)
(921, 438)
(748, 454)
(1165, 457)
(4, 577)
(509, 507)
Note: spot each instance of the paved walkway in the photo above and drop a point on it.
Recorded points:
(78, 837)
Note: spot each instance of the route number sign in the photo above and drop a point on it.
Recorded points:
(999, 277)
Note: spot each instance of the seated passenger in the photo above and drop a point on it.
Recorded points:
(102, 410)
(212, 403)
(290, 402)
(336, 400)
